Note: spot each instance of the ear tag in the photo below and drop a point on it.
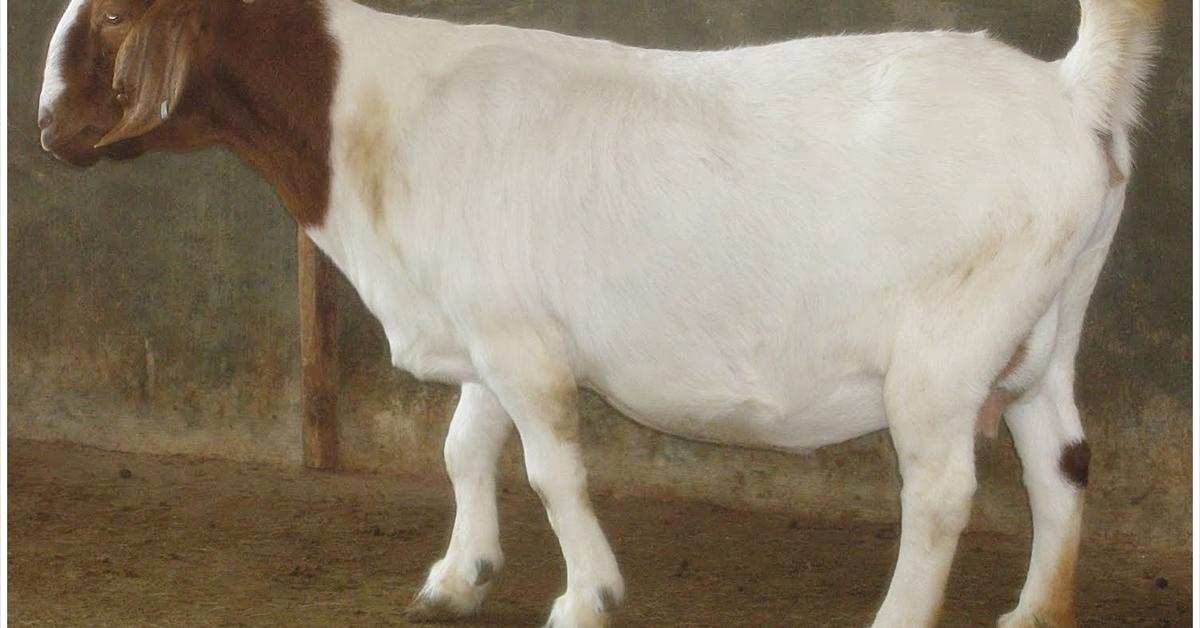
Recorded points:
(162, 110)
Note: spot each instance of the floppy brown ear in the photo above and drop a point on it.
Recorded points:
(152, 67)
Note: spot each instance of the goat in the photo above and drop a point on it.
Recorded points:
(783, 246)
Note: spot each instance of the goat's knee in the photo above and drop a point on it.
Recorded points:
(940, 498)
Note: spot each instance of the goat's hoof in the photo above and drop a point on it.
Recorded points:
(1021, 618)
(588, 611)
(447, 596)
(434, 610)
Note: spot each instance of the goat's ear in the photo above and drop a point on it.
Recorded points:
(152, 68)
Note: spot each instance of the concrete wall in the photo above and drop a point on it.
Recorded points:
(151, 304)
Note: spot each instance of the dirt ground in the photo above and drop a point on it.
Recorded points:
(109, 539)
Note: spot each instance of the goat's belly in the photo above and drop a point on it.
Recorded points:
(843, 411)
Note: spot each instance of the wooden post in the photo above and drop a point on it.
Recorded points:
(318, 355)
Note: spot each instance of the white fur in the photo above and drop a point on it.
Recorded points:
(528, 159)
(783, 246)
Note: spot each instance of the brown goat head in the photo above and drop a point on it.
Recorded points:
(108, 60)
(124, 77)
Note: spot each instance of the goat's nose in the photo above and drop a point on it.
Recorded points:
(45, 119)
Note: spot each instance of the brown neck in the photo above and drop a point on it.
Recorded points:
(268, 95)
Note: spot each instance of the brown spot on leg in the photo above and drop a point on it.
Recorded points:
(1073, 463)
(1058, 610)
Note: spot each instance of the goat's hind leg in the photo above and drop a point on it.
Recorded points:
(1049, 438)
(458, 583)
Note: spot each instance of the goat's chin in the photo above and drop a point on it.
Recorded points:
(79, 159)
(85, 158)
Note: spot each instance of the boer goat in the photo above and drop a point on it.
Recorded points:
(783, 246)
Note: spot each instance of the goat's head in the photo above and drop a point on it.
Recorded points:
(116, 75)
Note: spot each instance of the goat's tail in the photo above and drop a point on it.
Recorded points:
(1109, 65)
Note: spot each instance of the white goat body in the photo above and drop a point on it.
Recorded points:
(783, 246)
(729, 245)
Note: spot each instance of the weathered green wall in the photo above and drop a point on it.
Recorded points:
(151, 304)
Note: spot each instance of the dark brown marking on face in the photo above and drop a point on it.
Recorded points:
(260, 79)
(1074, 462)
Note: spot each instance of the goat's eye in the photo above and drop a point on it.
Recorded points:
(112, 18)
(122, 97)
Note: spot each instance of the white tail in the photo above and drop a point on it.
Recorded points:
(1109, 65)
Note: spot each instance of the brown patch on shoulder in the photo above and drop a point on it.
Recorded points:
(1074, 462)
(370, 154)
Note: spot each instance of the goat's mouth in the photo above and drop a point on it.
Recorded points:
(77, 149)
(81, 159)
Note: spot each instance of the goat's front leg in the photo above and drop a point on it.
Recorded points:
(932, 426)
(458, 583)
(536, 387)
